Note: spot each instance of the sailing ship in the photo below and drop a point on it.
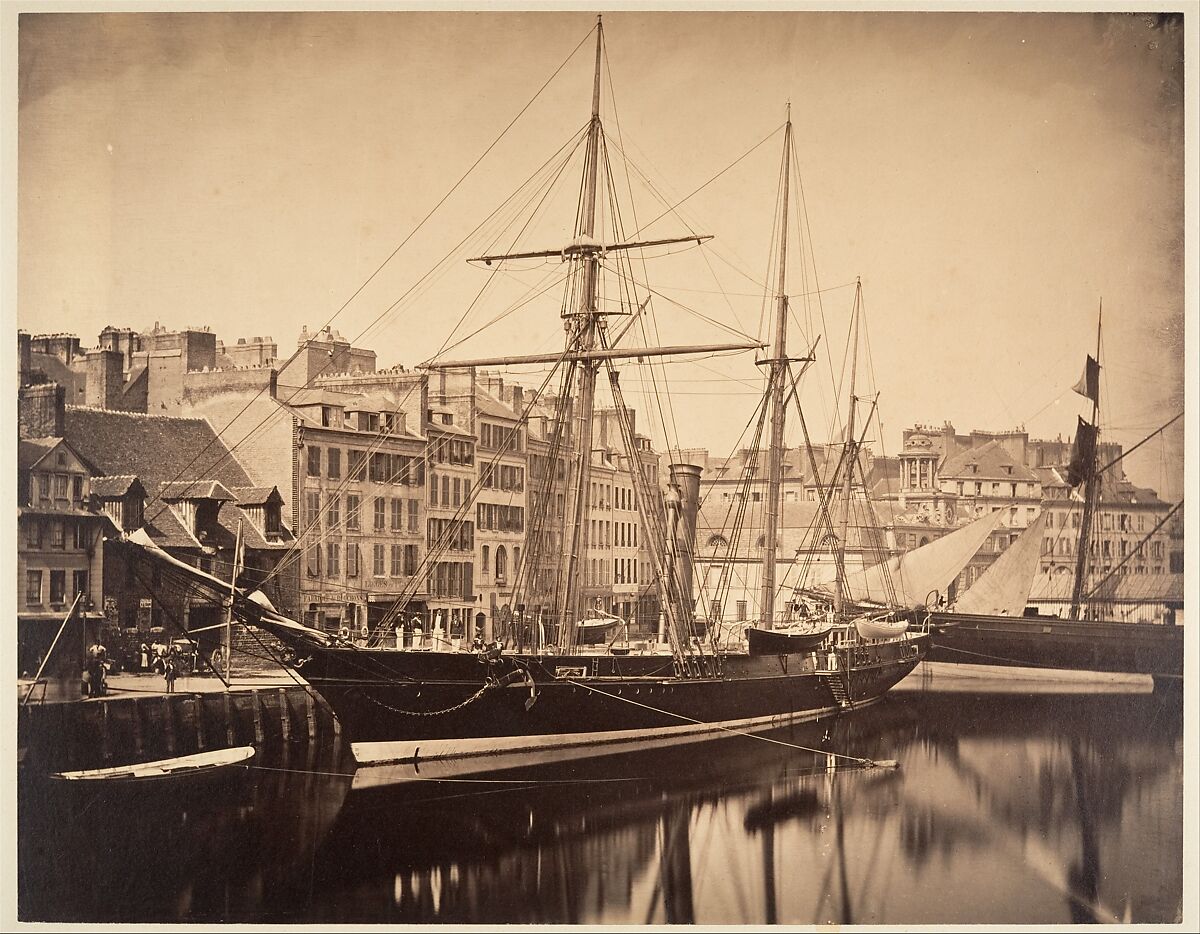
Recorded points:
(537, 689)
(997, 622)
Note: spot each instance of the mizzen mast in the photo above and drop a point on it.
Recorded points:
(850, 457)
(1091, 478)
(776, 380)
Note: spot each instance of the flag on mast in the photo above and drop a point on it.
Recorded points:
(1089, 383)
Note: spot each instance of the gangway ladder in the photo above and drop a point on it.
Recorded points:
(838, 689)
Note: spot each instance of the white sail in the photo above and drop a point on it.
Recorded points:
(1003, 589)
(916, 573)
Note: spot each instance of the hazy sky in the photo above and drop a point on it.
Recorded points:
(990, 176)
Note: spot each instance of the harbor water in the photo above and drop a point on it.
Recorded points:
(1005, 808)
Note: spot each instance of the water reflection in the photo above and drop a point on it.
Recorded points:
(1005, 809)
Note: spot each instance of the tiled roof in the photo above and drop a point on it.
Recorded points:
(1126, 492)
(166, 529)
(487, 404)
(195, 489)
(1049, 476)
(256, 495)
(158, 449)
(115, 486)
(166, 454)
(229, 517)
(32, 450)
(992, 461)
(316, 395)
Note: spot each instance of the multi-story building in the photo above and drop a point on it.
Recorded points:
(454, 605)
(175, 478)
(500, 501)
(60, 554)
(360, 493)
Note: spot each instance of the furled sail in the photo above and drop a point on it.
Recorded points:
(1003, 589)
(1082, 454)
(916, 573)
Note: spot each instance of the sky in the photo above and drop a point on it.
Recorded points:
(990, 177)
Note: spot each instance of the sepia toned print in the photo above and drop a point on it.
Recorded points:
(712, 467)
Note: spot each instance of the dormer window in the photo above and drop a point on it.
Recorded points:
(368, 421)
(131, 512)
(273, 520)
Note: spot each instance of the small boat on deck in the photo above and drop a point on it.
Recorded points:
(164, 770)
(881, 627)
(799, 638)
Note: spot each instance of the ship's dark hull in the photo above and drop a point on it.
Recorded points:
(1051, 642)
(416, 706)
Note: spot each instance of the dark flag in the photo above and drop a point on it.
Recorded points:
(1083, 453)
(1089, 383)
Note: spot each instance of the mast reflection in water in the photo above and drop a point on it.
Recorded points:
(1006, 809)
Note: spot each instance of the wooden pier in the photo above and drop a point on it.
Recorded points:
(125, 729)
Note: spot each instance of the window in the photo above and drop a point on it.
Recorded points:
(502, 565)
(333, 559)
(58, 537)
(457, 501)
(433, 489)
(352, 513)
(43, 486)
(313, 560)
(33, 532)
(58, 587)
(380, 513)
(79, 536)
(445, 490)
(485, 564)
(716, 609)
(60, 486)
(334, 464)
(77, 488)
(352, 560)
(312, 515)
(33, 587)
(358, 465)
(333, 511)
(741, 611)
(410, 559)
(414, 519)
(397, 560)
(377, 566)
(397, 514)
(314, 461)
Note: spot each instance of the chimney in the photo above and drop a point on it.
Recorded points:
(105, 379)
(686, 477)
(40, 411)
(24, 348)
(518, 400)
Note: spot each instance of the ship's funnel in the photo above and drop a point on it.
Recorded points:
(686, 478)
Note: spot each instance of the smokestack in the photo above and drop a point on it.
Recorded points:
(686, 477)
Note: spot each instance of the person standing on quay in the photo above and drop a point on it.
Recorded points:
(170, 670)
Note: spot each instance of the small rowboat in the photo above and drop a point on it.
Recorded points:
(881, 627)
(203, 763)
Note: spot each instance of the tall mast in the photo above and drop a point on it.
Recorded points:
(582, 336)
(850, 456)
(1091, 490)
(778, 372)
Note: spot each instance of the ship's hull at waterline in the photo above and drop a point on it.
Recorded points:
(405, 705)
